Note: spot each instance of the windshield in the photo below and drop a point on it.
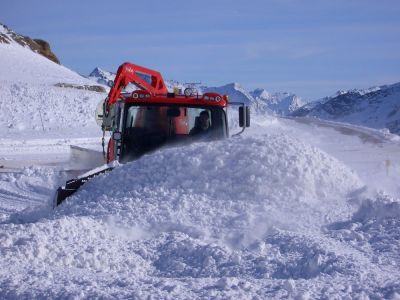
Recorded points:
(147, 128)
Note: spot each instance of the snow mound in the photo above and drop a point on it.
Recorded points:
(374, 229)
(230, 191)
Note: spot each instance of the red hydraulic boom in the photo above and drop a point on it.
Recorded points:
(128, 73)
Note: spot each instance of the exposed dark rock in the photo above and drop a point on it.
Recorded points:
(93, 88)
(37, 45)
(46, 51)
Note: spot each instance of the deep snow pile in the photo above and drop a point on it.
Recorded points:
(256, 179)
(252, 217)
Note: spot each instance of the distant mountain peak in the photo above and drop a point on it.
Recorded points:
(101, 76)
(282, 103)
(99, 72)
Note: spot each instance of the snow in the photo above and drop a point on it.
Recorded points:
(202, 170)
(236, 92)
(20, 64)
(293, 208)
(30, 103)
(280, 103)
(37, 117)
(375, 108)
(101, 76)
(265, 215)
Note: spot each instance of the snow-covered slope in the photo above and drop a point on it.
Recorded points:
(377, 107)
(30, 101)
(19, 64)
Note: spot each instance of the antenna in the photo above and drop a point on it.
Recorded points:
(192, 84)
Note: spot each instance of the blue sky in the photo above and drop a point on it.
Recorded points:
(311, 48)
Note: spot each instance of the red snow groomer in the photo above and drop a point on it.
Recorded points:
(150, 117)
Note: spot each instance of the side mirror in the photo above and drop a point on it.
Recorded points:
(117, 136)
(244, 116)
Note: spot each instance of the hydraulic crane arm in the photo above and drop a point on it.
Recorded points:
(131, 73)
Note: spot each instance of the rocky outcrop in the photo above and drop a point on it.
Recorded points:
(7, 36)
(44, 49)
(93, 88)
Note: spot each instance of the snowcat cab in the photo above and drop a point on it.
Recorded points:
(150, 117)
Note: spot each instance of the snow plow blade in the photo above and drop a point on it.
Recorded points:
(71, 186)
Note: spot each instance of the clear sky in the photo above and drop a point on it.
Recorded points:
(311, 48)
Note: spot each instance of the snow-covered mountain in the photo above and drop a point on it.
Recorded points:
(101, 76)
(235, 91)
(377, 107)
(281, 103)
